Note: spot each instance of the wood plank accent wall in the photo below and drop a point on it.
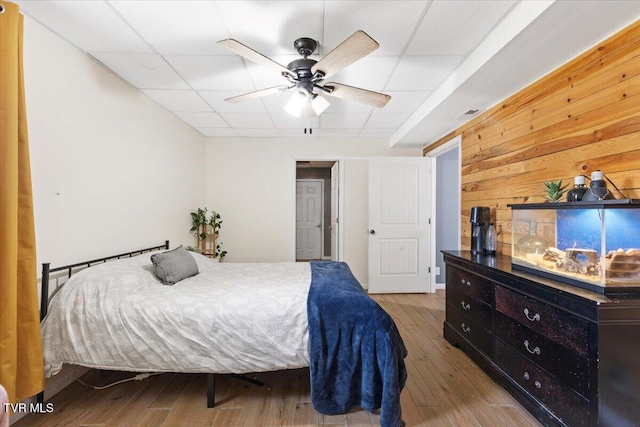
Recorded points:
(581, 117)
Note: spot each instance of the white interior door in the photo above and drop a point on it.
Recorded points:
(399, 245)
(309, 219)
(335, 185)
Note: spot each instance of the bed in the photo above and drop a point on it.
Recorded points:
(229, 318)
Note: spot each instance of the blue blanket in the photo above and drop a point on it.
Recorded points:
(357, 354)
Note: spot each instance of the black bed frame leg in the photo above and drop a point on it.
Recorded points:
(211, 390)
(247, 379)
(211, 387)
(40, 397)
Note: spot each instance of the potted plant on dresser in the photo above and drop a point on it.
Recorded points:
(205, 226)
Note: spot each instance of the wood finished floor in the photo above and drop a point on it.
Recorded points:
(444, 388)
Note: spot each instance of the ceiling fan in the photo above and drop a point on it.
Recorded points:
(306, 76)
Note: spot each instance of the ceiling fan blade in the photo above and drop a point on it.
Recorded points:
(358, 45)
(257, 94)
(246, 52)
(351, 93)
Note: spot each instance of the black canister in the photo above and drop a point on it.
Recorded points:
(597, 188)
(578, 190)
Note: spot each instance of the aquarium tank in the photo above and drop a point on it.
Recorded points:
(592, 245)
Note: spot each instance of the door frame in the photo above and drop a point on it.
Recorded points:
(453, 144)
(334, 209)
(340, 234)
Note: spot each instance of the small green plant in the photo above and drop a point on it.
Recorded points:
(205, 223)
(554, 190)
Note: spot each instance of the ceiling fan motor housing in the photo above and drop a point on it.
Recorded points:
(302, 69)
(305, 46)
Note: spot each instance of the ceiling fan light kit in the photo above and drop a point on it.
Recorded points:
(307, 75)
(305, 106)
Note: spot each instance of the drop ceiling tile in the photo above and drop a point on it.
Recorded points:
(248, 121)
(370, 72)
(386, 120)
(457, 27)
(346, 121)
(271, 27)
(178, 100)
(216, 99)
(422, 72)
(390, 23)
(287, 121)
(259, 133)
(93, 26)
(212, 72)
(406, 101)
(203, 120)
(186, 28)
(143, 70)
(218, 131)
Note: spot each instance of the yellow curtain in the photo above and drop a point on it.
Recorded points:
(21, 365)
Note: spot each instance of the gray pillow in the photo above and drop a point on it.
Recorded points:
(174, 265)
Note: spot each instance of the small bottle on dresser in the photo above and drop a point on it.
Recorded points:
(491, 242)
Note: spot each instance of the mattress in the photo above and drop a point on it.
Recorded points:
(229, 318)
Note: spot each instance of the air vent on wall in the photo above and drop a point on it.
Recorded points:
(469, 113)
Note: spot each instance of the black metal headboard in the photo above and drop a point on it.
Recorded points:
(47, 270)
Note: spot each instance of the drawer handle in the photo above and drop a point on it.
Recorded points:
(465, 328)
(536, 383)
(536, 349)
(465, 282)
(535, 318)
(465, 305)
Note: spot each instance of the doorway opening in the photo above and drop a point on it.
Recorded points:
(446, 218)
(317, 190)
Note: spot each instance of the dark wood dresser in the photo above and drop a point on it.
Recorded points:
(569, 355)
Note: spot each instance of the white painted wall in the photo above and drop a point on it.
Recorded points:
(251, 183)
(111, 169)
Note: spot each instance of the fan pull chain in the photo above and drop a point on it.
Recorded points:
(310, 129)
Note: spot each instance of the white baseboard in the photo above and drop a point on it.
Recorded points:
(440, 286)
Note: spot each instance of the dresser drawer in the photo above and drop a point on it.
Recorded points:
(473, 332)
(566, 365)
(558, 325)
(571, 408)
(470, 284)
(477, 310)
